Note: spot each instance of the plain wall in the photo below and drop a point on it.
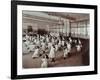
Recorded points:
(5, 40)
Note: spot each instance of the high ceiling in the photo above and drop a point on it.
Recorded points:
(51, 18)
(66, 15)
(70, 16)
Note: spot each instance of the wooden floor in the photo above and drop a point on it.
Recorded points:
(75, 59)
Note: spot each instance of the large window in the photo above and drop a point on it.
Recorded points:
(80, 29)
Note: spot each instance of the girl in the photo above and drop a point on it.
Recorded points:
(24, 48)
(31, 47)
(70, 40)
(56, 47)
(52, 53)
(65, 52)
(69, 47)
(43, 46)
(63, 43)
(79, 46)
(59, 44)
(44, 63)
(36, 53)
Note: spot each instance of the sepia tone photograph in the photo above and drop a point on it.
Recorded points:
(55, 39)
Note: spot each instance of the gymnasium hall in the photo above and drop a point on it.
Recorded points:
(55, 39)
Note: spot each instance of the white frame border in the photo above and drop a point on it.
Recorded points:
(21, 71)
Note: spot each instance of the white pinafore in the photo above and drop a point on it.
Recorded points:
(36, 53)
(52, 52)
(56, 46)
(44, 63)
(78, 47)
(69, 47)
(65, 52)
(24, 48)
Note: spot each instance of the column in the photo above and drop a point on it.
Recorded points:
(66, 27)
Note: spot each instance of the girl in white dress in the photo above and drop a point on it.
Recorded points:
(35, 40)
(49, 45)
(65, 52)
(36, 53)
(38, 42)
(56, 47)
(27, 43)
(75, 41)
(70, 40)
(52, 53)
(78, 47)
(24, 48)
(47, 39)
(44, 63)
(43, 46)
(53, 41)
(69, 47)
(59, 44)
(63, 42)
(27, 37)
(79, 42)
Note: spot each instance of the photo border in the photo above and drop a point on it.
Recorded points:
(14, 4)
